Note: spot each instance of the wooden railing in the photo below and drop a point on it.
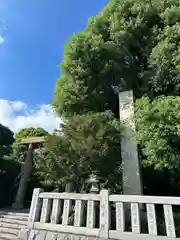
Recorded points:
(92, 215)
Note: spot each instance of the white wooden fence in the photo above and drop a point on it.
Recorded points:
(50, 212)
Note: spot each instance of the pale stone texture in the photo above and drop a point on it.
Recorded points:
(79, 209)
(151, 217)
(135, 218)
(66, 210)
(56, 211)
(120, 220)
(91, 214)
(129, 153)
(35, 208)
(104, 214)
(45, 211)
(169, 221)
(53, 231)
(48, 235)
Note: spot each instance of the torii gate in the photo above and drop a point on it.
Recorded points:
(33, 143)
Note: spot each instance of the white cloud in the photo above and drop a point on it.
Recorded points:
(3, 30)
(2, 39)
(17, 115)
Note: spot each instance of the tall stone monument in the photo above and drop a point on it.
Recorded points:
(129, 153)
(27, 170)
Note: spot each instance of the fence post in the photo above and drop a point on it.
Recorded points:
(92, 205)
(104, 214)
(35, 208)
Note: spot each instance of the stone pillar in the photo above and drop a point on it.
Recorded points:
(69, 187)
(130, 162)
(25, 177)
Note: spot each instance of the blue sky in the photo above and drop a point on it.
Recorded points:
(32, 38)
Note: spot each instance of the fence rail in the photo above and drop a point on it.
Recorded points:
(105, 216)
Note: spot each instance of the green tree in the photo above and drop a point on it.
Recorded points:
(19, 150)
(158, 132)
(9, 169)
(130, 45)
(86, 143)
(6, 140)
(158, 135)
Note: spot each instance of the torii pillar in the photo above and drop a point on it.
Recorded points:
(33, 143)
(132, 184)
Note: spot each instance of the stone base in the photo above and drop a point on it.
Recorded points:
(17, 206)
(47, 235)
(24, 234)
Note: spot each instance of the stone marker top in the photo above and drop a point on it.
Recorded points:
(33, 140)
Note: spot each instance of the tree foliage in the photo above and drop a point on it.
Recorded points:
(158, 132)
(86, 143)
(130, 45)
(6, 140)
(19, 150)
(30, 132)
(9, 170)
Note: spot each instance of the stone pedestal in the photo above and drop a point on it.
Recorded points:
(69, 187)
(94, 184)
(130, 163)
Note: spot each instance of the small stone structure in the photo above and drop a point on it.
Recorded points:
(32, 143)
(48, 217)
